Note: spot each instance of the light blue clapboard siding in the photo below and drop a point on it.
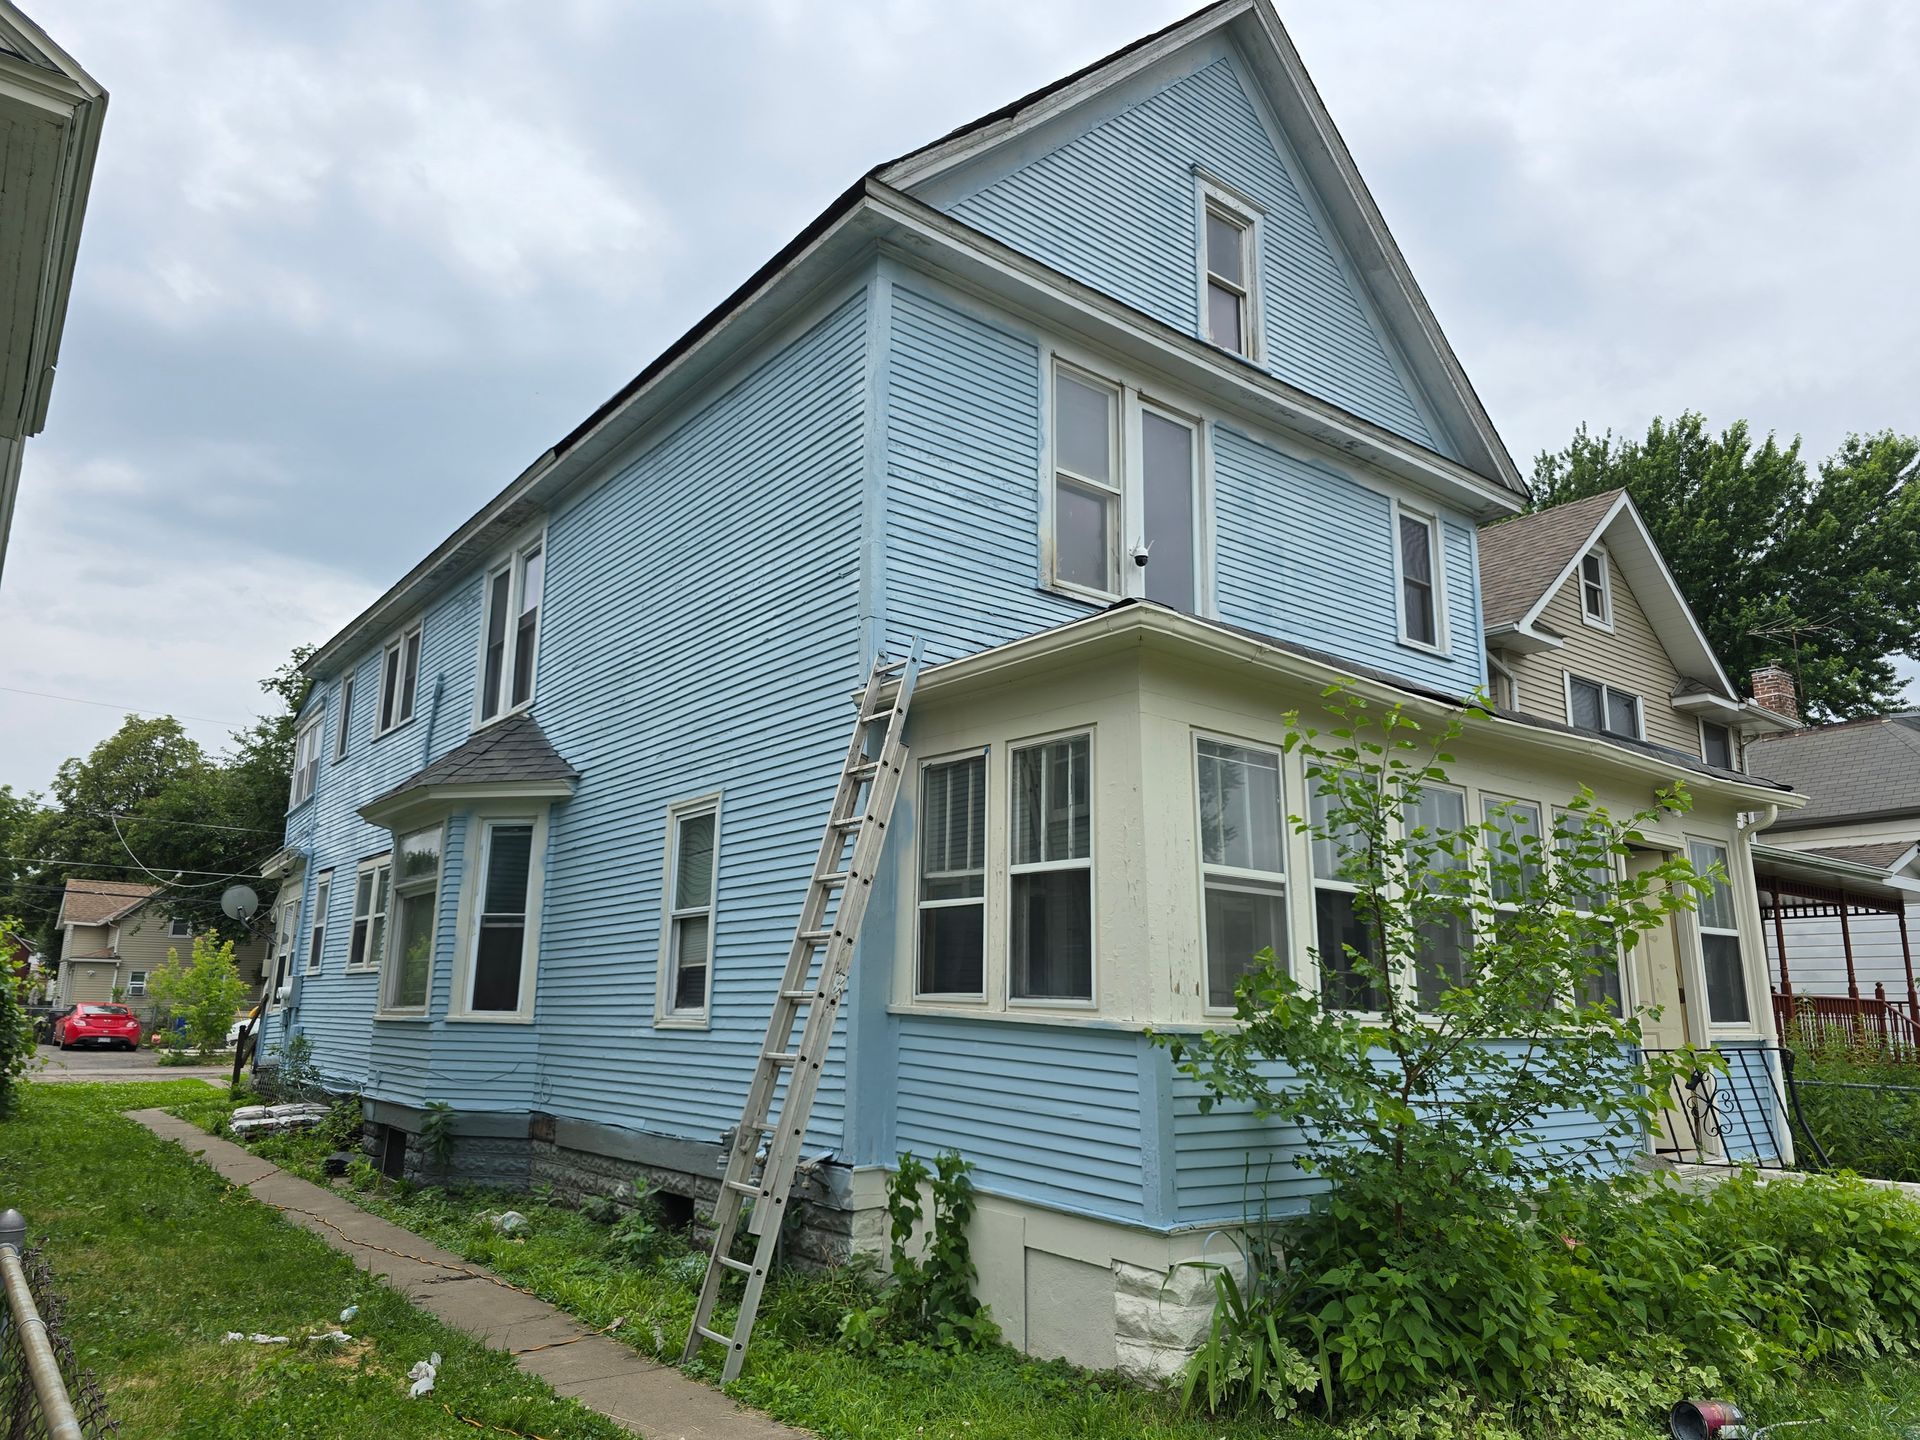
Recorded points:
(1115, 207)
(963, 489)
(701, 633)
(1307, 554)
(1045, 1113)
(1752, 1126)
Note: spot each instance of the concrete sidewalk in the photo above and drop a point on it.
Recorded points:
(646, 1397)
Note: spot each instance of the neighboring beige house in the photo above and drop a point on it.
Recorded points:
(113, 938)
(1586, 627)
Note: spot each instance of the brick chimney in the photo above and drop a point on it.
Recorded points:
(1774, 688)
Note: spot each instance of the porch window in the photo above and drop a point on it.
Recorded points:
(1720, 938)
(1445, 943)
(416, 903)
(1086, 482)
(1339, 929)
(1419, 611)
(1051, 944)
(317, 938)
(306, 762)
(346, 719)
(1588, 891)
(512, 630)
(369, 936)
(1596, 593)
(1243, 846)
(1593, 706)
(399, 680)
(496, 974)
(1229, 278)
(953, 877)
(693, 833)
(1716, 744)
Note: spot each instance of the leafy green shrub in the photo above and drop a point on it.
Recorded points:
(203, 990)
(436, 1133)
(16, 1030)
(929, 1301)
(638, 1235)
(1872, 1132)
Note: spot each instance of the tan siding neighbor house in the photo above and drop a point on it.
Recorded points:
(114, 938)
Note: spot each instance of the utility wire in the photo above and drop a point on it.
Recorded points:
(123, 709)
(111, 865)
(157, 820)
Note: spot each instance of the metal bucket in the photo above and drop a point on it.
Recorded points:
(1703, 1419)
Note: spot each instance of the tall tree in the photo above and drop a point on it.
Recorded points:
(1816, 571)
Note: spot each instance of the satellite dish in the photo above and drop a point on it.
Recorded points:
(239, 902)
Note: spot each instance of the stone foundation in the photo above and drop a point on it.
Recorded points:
(1160, 1318)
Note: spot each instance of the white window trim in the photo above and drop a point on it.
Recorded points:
(510, 559)
(174, 930)
(1212, 194)
(664, 1016)
(136, 983)
(308, 734)
(317, 923)
(1605, 620)
(968, 998)
(1407, 977)
(1733, 742)
(286, 913)
(473, 896)
(348, 687)
(1442, 643)
(370, 963)
(398, 641)
(384, 1008)
(1091, 865)
(1749, 953)
(1267, 882)
(1132, 396)
(1639, 704)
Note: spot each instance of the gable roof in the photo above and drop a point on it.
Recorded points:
(1269, 53)
(514, 751)
(1524, 562)
(1882, 856)
(101, 902)
(1853, 770)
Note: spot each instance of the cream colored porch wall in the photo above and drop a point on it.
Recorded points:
(1145, 710)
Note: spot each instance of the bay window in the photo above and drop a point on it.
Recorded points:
(1243, 847)
(1435, 819)
(416, 903)
(496, 973)
(1050, 941)
(953, 878)
(1340, 930)
(1719, 927)
(513, 594)
(692, 879)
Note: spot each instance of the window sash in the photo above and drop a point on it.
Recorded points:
(1050, 919)
(951, 947)
(498, 965)
(1446, 942)
(317, 936)
(1518, 822)
(370, 901)
(1593, 589)
(1227, 267)
(1170, 506)
(1722, 955)
(1594, 706)
(688, 934)
(399, 680)
(1419, 592)
(306, 762)
(1086, 483)
(346, 718)
(136, 982)
(178, 929)
(1716, 744)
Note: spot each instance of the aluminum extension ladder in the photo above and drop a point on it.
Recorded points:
(766, 1147)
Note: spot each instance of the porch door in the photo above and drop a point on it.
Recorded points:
(1659, 982)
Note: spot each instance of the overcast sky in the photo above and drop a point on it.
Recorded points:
(348, 268)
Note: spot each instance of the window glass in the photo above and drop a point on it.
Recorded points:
(1514, 836)
(498, 589)
(317, 933)
(500, 947)
(136, 982)
(1416, 580)
(179, 929)
(1227, 281)
(1338, 929)
(1623, 713)
(1716, 745)
(1587, 711)
(1167, 460)
(1243, 829)
(1593, 586)
(399, 680)
(1444, 941)
(1051, 942)
(953, 877)
(1224, 248)
(389, 687)
(346, 719)
(690, 910)
(409, 674)
(416, 886)
(306, 762)
(1083, 425)
(532, 578)
(369, 916)
(1086, 498)
(1720, 938)
(1224, 318)
(1588, 887)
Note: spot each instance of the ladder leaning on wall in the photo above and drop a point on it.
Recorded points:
(766, 1146)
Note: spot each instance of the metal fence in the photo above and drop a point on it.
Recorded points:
(44, 1395)
(1875, 1021)
(1746, 1113)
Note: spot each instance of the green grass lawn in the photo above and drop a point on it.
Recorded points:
(159, 1258)
(797, 1371)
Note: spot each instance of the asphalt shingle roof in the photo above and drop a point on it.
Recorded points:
(513, 749)
(1879, 856)
(1520, 558)
(1847, 771)
(95, 902)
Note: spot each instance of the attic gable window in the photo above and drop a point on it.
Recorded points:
(1596, 590)
(512, 630)
(1229, 268)
(399, 680)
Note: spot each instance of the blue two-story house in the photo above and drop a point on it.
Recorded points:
(1122, 402)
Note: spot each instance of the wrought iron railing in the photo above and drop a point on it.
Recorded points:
(1744, 1111)
(43, 1394)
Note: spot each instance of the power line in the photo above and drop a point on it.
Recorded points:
(116, 865)
(157, 820)
(123, 709)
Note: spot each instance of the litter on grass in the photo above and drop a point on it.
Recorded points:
(422, 1375)
(346, 1315)
(249, 1118)
(257, 1338)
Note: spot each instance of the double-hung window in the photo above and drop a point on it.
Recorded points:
(692, 880)
(1720, 938)
(346, 719)
(286, 926)
(1593, 706)
(1586, 884)
(1086, 482)
(1229, 267)
(497, 983)
(1716, 745)
(179, 928)
(317, 936)
(416, 904)
(1341, 932)
(1050, 940)
(953, 878)
(399, 680)
(306, 762)
(369, 913)
(1419, 578)
(136, 983)
(1436, 820)
(1243, 861)
(512, 631)
(1596, 590)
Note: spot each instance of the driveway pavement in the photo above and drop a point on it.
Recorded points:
(55, 1064)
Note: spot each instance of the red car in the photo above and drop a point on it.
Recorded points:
(99, 1025)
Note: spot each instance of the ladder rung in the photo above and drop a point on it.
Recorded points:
(891, 667)
(799, 994)
(745, 1187)
(781, 1057)
(732, 1264)
(863, 770)
(852, 822)
(838, 877)
(816, 937)
(873, 717)
(714, 1335)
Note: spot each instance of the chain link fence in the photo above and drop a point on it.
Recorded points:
(34, 1310)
